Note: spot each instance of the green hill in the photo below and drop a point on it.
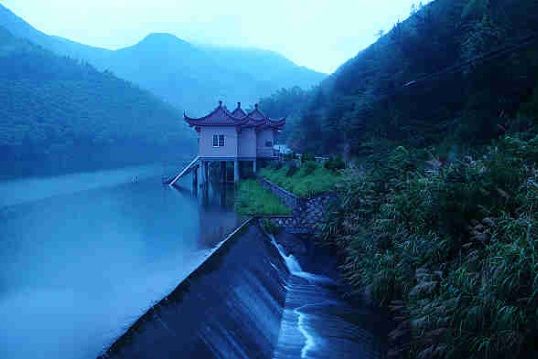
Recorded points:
(453, 73)
(57, 114)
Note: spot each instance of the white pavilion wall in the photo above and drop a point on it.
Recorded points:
(229, 150)
(247, 143)
(264, 136)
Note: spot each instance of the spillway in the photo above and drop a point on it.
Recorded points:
(251, 299)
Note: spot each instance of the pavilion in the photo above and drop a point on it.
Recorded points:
(233, 136)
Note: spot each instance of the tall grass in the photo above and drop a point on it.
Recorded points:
(252, 199)
(308, 180)
(453, 252)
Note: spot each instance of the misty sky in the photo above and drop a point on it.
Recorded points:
(320, 34)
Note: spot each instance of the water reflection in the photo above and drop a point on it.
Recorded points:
(82, 256)
(217, 200)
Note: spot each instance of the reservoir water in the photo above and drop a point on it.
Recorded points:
(82, 256)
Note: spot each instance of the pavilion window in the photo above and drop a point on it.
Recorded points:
(218, 140)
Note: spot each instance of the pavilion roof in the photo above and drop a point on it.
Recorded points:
(239, 112)
(221, 116)
(258, 119)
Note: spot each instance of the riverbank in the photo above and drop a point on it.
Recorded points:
(448, 247)
(281, 189)
(307, 180)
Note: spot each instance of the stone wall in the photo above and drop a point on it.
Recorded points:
(307, 213)
(289, 199)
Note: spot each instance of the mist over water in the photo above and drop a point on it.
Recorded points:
(83, 255)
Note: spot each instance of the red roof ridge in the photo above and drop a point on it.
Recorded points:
(221, 116)
(239, 112)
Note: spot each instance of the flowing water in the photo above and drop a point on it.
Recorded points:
(252, 300)
(116, 260)
(82, 256)
(318, 323)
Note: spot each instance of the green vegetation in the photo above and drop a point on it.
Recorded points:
(439, 225)
(270, 227)
(452, 77)
(253, 199)
(308, 180)
(453, 250)
(61, 113)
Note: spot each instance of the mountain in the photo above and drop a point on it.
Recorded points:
(21, 29)
(57, 115)
(186, 76)
(266, 66)
(190, 77)
(456, 72)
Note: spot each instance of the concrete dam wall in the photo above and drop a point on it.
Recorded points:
(251, 300)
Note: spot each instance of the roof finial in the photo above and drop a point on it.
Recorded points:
(256, 106)
(220, 103)
(239, 104)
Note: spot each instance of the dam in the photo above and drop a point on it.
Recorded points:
(252, 299)
(166, 284)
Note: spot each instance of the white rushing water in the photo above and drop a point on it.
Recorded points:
(313, 323)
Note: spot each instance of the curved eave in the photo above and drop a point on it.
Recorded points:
(221, 117)
(271, 124)
(232, 122)
(278, 123)
(253, 123)
(212, 113)
(214, 124)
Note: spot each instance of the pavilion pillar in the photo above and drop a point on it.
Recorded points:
(223, 171)
(236, 170)
(204, 171)
(195, 177)
(254, 166)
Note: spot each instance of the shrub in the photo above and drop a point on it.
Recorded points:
(335, 164)
(306, 157)
(291, 169)
(454, 248)
(270, 227)
(275, 165)
(289, 156)
(309, 167)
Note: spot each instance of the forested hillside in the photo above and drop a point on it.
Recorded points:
(59, 115)
(437, 217)
(455, 73)
(188, 76)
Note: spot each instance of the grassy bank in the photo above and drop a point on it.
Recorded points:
(253, 199)
(308, 180)
(453, 250)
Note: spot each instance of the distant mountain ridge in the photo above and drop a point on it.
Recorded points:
(59, 115)
(190, 77)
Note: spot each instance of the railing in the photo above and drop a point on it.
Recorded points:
(186, 170)
(266, 152)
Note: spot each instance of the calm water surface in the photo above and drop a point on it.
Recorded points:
(83, 255)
